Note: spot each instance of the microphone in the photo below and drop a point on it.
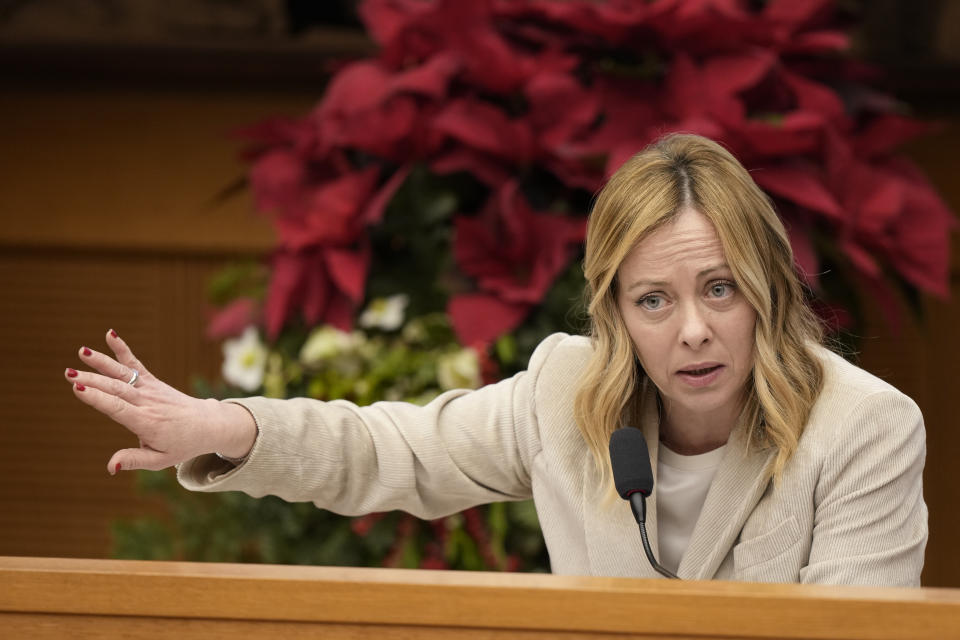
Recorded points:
(633, 478)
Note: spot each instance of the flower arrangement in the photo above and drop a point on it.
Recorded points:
(447, 180)
(535, 102)
(391, 359)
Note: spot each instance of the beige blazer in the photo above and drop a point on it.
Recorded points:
(849, 509)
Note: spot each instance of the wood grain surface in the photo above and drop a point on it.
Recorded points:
(343, 601)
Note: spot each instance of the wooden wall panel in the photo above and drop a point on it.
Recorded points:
(922, 359)
(130, 169)
(56, 497)
(107, 219)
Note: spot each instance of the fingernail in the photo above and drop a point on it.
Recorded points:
(113, 333)
(71, 373)
(117, 470)
(80, 387)
(86, 351)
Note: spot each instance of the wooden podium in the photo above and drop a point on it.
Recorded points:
(69, 598)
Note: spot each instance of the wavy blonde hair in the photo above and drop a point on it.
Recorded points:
(648, 191)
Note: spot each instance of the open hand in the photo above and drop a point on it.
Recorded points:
(171, 426)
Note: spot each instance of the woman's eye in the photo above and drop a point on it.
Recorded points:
(721, 289)
(651, 302)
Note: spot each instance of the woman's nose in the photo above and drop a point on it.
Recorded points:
(694, 327)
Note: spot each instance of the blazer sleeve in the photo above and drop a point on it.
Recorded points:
(870, 524)
(462, 449)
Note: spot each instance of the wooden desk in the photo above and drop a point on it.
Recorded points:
(58, 598)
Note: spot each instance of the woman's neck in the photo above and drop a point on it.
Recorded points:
(691, 434)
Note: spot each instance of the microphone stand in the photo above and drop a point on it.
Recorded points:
(638, 503)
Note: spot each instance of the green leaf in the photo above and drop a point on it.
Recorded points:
(506, 349)
(523, 513)
(236, 280)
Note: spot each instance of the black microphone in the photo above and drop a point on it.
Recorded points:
(633, 478)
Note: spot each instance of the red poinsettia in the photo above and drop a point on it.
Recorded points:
(321, 207)
(384, 112)
(410, 32)
(556, 95)
(325, 283)
(514, 253)
(891, 212)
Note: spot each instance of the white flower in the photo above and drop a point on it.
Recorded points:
(327, 342)
(385, 313)
(459, 370)
(244, 359)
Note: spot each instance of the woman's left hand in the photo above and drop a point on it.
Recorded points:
(171, 426)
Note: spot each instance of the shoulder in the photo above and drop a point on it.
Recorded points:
(561, 349)
(562, 345)
(846, 384)
(556, 366)
(856, 404)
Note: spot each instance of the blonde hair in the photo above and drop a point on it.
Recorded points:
(649, 190)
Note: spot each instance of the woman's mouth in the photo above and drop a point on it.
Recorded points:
(701, 376)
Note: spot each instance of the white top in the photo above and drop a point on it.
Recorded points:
(682, 485)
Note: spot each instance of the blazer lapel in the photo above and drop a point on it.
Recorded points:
(736, 488)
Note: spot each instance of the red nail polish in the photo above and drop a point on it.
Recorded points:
(113, 333)
(117, 470)
(71, 373)
(80, 387)
(86, 351)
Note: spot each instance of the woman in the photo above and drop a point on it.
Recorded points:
(776, 460)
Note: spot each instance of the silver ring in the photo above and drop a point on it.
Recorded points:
(133, 379)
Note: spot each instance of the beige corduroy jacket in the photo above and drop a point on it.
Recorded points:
(849, 508)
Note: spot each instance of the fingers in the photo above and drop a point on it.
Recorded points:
(106, 403)
(106, 365)
(108, 385)
(124, 354)
(142, 458)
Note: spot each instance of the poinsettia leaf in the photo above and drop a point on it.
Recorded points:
(482, 166)
(284, 292)
(804, 255)
(923, 234)
(801, 185)
(373, 212)
(886, 132)
(480, 318)
(484, 127)
(231, 320)
(348, 270)
(276, 178)
(385, 20)
(317, 288)
(359, 86)
(882, 202)
(560, 107)
(340, 312)
(795, 13)
(815, 97)
(430, 79)
(818, 42)
(861, 258)
(729, 74)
